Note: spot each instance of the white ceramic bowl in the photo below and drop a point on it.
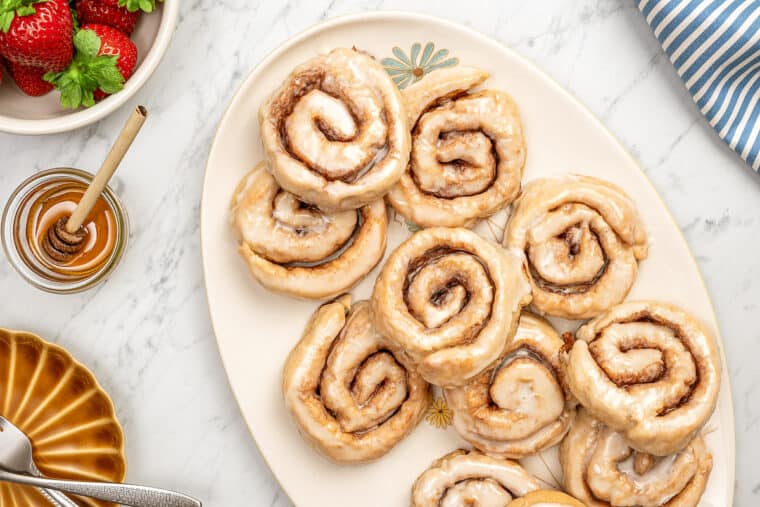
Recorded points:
(20, 114)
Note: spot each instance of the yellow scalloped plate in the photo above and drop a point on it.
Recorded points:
(68, 417)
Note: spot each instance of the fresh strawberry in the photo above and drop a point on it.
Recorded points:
(36, 33)
(133, 5)
(105, 58)
(95, 11)
(115, 43)
(29, 79)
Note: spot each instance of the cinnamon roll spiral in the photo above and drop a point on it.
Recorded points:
(521, 405)
(449, 301)
(603, 470)
(648, 370)
(583, 239)
(346, 391)
(335, 131)
(468, 151)
(294, 248)
(473, 479)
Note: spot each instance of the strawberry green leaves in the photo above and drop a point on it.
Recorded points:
(87, 43)
(88, 72)
(9, 9)
(74, 20)
(134, 5)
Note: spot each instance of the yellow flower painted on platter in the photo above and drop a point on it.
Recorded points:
(439, 414)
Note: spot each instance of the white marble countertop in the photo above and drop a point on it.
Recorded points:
(146, 332)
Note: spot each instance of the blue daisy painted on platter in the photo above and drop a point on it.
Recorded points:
(406, 70)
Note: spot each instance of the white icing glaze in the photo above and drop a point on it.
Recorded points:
(419, 303)
(551, 255)
(277, 226)
(297, 249)
(583, 238)
(623, 487)
(346, 138)
(527, 389)
(602, 469)
(347, 393)
(463, 477)
(468, 151)
(520, 406)
(480, 493)
(434, 277)
(649, 370)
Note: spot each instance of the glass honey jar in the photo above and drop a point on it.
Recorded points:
(36, 206)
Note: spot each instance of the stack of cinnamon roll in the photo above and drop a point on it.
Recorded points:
(626, 396)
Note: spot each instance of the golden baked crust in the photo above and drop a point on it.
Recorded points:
(449, 302)
(298, 250)
(546, 498)
(469, 478)
(522, 405)
(583, 239)
(349, 396)
(335, 132)
(648, 370)
(603, 470)
(468, 151)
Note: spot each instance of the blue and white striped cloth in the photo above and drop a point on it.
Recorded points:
(715, 48)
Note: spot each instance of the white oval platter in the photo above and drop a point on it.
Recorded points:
(255, 329)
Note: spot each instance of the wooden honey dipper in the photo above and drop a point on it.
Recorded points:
(66, 237)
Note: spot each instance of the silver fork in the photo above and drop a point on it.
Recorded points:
(54, 497)
(17, 463)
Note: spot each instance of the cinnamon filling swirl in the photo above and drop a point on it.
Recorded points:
(335, 132)
(522, 405)
(294, 248)
(345, 389)
(468, 151)
(648, 370)
(603, 470)
(583, 239)
(472, 479)
(571, 263)
(449, 301)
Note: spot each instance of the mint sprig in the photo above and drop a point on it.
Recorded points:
(87, 72)
(135, 5)
(9, 9)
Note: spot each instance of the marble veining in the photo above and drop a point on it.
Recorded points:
(146, 332)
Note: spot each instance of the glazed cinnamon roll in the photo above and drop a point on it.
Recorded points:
(449, 301)
(546, 498)
(346, 391)
(583, 239)
(294, 248)
(468, 151)
(473, 479)
(648, 370)
(335, 131)
(603, 470)
(521, 405)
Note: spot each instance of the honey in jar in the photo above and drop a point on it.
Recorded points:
(46, 200)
